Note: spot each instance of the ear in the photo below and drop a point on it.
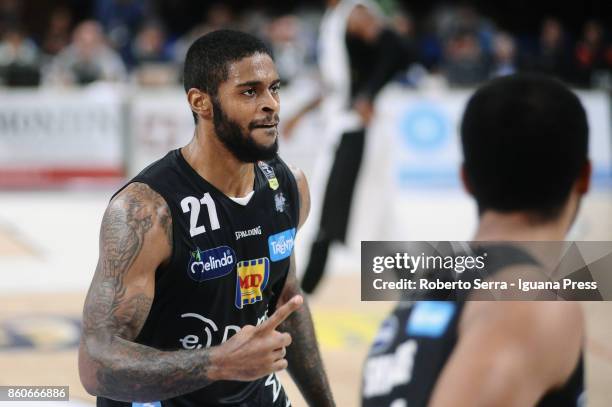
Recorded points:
(583, 182)
(467, 186)
(200, 103)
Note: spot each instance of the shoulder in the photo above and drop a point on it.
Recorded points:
(304, 192)
(139, 208)
(139, 196)
(541, 337)
(296, 176)
(300, 179)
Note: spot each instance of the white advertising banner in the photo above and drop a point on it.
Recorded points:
(423, 128)
(158, 123)
(50, 137)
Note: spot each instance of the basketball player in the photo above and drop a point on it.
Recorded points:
(352, 36)
(195, 300)
(525, 147)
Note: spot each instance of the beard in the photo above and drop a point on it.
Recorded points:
(240, 144)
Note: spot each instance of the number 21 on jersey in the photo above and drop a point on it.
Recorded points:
(193, 204)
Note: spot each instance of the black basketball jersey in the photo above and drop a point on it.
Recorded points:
(228, 266)
(414, 343)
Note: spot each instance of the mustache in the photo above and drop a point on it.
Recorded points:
(262, 122)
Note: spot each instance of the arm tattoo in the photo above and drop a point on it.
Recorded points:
(115, 312)
(305, 364)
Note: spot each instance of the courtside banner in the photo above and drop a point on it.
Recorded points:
(50, 137)
(423, 129)
(571, 271)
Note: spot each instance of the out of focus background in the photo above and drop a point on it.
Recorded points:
(90, 93)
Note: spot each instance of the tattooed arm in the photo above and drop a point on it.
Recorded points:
(305, 364)
(135, 238)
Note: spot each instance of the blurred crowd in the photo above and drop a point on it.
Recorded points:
(130, 41)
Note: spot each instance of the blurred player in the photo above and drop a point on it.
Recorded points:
(525, 142)
(195, 300)
(358, 55)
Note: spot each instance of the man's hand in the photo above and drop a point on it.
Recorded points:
(365, 109)
(255, 352)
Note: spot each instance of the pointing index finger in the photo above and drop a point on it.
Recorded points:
(282, 313)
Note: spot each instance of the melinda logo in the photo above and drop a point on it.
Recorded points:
(281, 244)
(213, 263)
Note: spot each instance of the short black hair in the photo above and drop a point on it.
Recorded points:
(207, 60)
(525, 142)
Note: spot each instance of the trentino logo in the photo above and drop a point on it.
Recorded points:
(281, 244)
(213, 263)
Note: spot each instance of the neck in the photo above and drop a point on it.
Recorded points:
(518, 226)
(207, 155)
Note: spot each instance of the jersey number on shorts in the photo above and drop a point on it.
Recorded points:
(192, 204)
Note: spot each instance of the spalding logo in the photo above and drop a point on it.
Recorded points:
(213, 263)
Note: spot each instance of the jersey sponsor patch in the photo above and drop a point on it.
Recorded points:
(269, 174)
(149, 404)
(251, 279)
(385, 335)
(280, 202)
(281, 244)
(430, 318)
(213, 263)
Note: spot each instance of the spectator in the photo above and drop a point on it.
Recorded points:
(504, 55)
(120, 19)
(11, 12)
(465, 62)
(19, 59)
(87, 59)
(57, 35)
(552, 57)
(152, 60)
(592, 56)
(218, 16)
(150, 45)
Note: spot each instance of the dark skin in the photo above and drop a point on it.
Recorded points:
(136, 238)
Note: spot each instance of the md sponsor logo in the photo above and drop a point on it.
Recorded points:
(251, 279)
(213, 263)
(281, 244)
(211, 334)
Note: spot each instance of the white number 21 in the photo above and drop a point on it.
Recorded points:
(192, 204)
